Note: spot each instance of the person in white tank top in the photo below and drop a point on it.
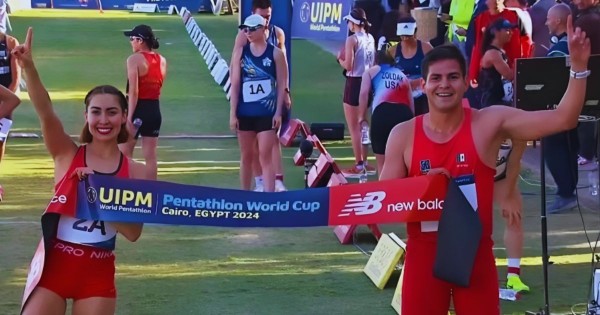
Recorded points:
(357, 56)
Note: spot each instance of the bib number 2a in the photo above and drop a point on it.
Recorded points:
(256, 90)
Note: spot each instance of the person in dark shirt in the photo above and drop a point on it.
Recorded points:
(588, 19)
(560, 149)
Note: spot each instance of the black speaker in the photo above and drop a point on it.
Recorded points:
(541, 83)
(328, 131)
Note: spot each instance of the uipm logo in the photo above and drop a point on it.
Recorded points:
(369, 204)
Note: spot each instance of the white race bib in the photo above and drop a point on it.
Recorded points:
(5, 125)
(508, 91)
(86, 232)
(256, 90)
(467, 187)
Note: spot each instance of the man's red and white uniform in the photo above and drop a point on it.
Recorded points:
(422, 292)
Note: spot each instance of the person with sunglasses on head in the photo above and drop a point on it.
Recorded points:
(357, 56)
(276, 37)
(146, 72)
(78, 262)
(259, 79)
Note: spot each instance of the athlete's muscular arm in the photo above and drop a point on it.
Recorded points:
(396, 162)
(132, 231)
(518, 124)
(348, 61)
(281, 44)
(235, 78)
(365, 91)
(240, 41)
(15, 70)
(59, 144)
(280, 39)
(8, 101)
(132, 78)
(281, 68)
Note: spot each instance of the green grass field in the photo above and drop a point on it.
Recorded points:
(184, 270)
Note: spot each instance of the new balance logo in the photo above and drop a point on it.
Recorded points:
(369, 204)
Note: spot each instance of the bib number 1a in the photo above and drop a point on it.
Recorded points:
(253, 91)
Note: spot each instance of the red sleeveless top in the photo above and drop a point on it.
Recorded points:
(64, 202)
(459, 156)
(79, 161)
(150, 84)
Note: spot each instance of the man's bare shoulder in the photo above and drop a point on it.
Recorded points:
(402, 131)
(279, 31)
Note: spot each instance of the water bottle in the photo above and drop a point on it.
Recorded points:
(364, 133)
(509, 295)
(363, 175)
(593, 180)
(137, 123)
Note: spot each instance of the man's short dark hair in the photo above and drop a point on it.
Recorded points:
(261, 4)
(443, 52)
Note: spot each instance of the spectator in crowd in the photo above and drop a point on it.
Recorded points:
(560, 149)
(461, 12)
(480, 7)
(514, 49)
(387, 34)
(521, 8)
(409, 55)
(540, 35)
(588, 19)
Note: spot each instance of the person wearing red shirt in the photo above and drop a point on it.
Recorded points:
(458, 142)
(514, 48)
(146, 71)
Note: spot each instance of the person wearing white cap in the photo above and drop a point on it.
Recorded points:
(276, 37)
(409, 54)
(357, 57)
(258, 88)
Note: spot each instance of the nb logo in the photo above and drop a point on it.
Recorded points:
(369, 204)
